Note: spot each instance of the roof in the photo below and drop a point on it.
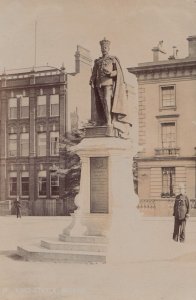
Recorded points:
(165, 64)
(38, 69)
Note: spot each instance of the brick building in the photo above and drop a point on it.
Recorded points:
(37, 106)
(167, 126)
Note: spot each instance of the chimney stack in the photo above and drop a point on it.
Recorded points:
(192, 46)
(155, 51)
(83, 60)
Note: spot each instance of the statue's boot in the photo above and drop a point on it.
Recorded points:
(110, 130)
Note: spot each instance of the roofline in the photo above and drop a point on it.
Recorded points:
(162, 65)
(29, 70)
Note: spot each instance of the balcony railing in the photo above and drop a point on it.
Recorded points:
(162, 207)
(167, 151)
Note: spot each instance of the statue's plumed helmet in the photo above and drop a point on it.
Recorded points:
(104, 42)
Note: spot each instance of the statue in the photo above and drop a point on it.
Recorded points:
(111, 100)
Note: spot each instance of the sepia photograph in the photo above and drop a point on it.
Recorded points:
(97, 149)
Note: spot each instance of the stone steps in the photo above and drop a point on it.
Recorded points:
(81, 249)
(58, 245)
(83, 239)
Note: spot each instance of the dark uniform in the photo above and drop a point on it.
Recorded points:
(181, 213)
(103, 76)
(112, 106)
(18, 207)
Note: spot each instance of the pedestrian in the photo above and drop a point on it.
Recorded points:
(181, 214)
(18, 207)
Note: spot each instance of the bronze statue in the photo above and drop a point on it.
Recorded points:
(107, 80)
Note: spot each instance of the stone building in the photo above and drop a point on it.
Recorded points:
(167, 126)
(37, 106)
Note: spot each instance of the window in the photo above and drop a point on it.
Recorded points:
(42, 183)
(168, 135)
(24, 144)
(41, 106)
(24, 107)
(54, 105)
(54, 185)
(168, 96)
(12, 110)
(41, 144)
(54, 143)
(12, 145)
(168, 182)
(13, 184)
(25, 183)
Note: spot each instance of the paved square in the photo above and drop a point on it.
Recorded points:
(161, 268)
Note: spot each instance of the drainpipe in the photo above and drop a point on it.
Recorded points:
(195, 175)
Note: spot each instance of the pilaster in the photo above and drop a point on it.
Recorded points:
(3, 150)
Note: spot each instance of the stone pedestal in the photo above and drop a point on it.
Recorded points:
(107, 203)
(105, 227)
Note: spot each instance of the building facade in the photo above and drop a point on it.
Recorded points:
(167, 126)
(37, 107)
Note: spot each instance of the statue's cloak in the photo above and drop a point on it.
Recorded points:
(120, 105)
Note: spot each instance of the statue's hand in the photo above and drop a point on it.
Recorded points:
(91, 83)
(113, 73)
(107, 72)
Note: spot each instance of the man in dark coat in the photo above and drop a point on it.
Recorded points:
(18, 207)
(181, 213)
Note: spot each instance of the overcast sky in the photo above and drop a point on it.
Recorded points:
(132, 26)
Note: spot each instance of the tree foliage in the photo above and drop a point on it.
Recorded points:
(71, 171)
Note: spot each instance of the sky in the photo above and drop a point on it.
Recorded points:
(134, 27)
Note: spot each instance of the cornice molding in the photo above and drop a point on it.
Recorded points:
(165, 158)
(165, 70)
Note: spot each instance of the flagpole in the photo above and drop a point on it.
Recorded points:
(35, 58)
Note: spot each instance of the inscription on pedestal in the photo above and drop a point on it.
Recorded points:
(99, 184)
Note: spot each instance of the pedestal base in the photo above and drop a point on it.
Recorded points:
(123, 216)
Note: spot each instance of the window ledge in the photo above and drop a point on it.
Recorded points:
(167, 116)
(168, 108)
